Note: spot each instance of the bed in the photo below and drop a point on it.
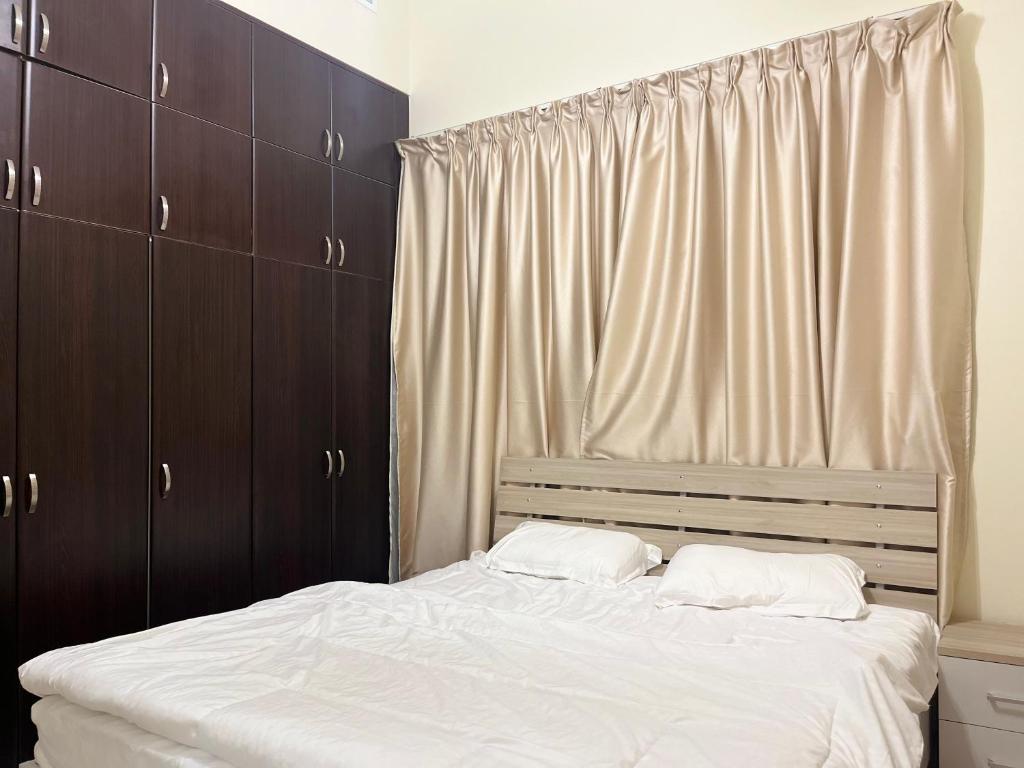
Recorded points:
(470, 666)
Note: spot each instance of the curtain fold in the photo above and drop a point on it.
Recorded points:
(758, 260)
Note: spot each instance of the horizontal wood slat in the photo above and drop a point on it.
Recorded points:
(915, 601)
(867, 524)
(914, 489)
(882, 566)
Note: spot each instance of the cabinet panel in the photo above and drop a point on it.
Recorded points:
(8, 474)
(361, 398)
(205, 173)
(13, 24)
(292, 95)
(91, 146)
(83, 417)
(203, 62)
(10, 129)
(105, 40)
(364, 222)
(291, 428)
(293, 207)
(364, 117)
(202, 369)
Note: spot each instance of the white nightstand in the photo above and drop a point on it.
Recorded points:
(981, 696)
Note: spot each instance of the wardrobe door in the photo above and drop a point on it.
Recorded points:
(203, 62)
(202, 448)
(361, 400)
(86, 151)
(364, 125)
(13, 24)
(105, 40)
(202, 182)
(10, 129)
(293, 207)
(8, 483)
(364, 225)
(83, 418)
(293, 461)
(292, 95)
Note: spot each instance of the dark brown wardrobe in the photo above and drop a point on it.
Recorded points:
(197, 220)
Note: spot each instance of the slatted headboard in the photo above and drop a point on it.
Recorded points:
(884, 521)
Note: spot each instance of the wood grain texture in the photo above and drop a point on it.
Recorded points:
(361, 402)
(364, 115)
(868, 524)
(364, 220)
(766, 509)
(8, 446)
(7, 24)
(91, 144)
(292, 207)
(10, 126)
(106, 40)
(205, 172)
(916, 489)
(291, 428)
(292, 94)
(208, 54)
(202, 428)
(983, 641)
(895, 567)
(83, 416)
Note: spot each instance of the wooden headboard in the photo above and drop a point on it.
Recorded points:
(884, 521)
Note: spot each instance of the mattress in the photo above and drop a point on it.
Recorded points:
(467, 666)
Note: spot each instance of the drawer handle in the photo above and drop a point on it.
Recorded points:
(341, 252)
(328, 250)
(341, 147)
(18, 25)
(341, 462)
(999, 698)
(165, 80)
(328, 143)
(165, 213)
(37, 185)
(44, 41)
(12, 178)
(330, 464)
(165, 481)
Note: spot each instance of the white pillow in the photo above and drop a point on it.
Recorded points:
(827, 586)
(589, 555)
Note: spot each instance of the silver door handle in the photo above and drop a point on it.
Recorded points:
(328, 250)
(330, 464)
(37, 185)
(44, 41)
(165, 480)
(165, 213)
(8, 496)
(341, 252)
(33, 492)
(341, 146)
(328, 143)
(341, 462)
(1000, 698)
(17, 25)
(165, 80)
(12, 178)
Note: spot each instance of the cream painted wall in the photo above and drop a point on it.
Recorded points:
(470, 59)
(376, 43)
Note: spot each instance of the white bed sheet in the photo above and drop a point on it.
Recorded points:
(465, 666)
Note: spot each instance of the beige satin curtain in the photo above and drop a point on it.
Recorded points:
(758, 260)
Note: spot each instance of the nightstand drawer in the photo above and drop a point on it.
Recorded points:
(982, 693)
(971, 746)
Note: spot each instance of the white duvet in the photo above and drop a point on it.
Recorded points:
(470, 667)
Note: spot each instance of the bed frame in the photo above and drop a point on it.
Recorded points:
(884, 521)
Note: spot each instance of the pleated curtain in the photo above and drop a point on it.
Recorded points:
(759, 260)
